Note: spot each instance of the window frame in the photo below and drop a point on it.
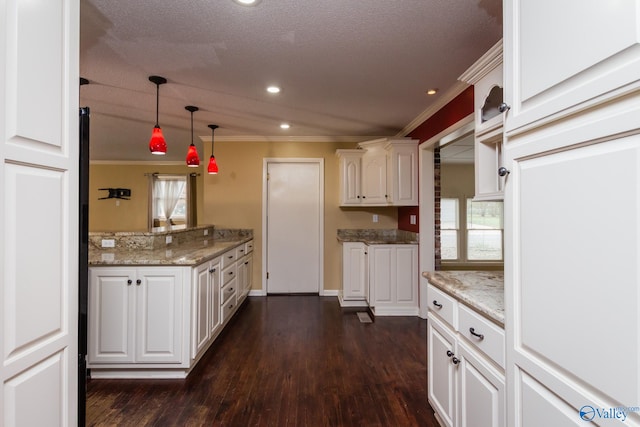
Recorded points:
(462, 240)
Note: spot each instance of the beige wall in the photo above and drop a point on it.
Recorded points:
(233, 198)
(127, 215)
(457, 180)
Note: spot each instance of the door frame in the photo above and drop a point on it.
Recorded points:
(427, 239)
(265, 167)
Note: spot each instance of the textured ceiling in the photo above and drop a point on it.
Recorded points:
(347, 68)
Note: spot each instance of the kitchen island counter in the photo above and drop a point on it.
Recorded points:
(483, 291)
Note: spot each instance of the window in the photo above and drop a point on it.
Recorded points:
(484, 231)
(169, 199)
(478, 237)
(449, 228)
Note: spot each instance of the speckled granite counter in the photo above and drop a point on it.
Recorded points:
(481, 290)
(129, 250)
(377, 236)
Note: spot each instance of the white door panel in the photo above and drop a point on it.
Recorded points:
(580, 53)
(39, 211)
(294, 227)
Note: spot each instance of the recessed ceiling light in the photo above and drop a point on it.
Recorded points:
(273, 89)
(247, 2)
(285, 126)
(432, 91)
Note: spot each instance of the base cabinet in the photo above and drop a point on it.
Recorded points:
(354, 274)
(466, 378)
(393, 280)
(157, 322)
(136, 315)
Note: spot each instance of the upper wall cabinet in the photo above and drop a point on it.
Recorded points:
(554, 73)
(383, 172)
(487, 80)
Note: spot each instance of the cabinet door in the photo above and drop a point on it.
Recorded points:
(248, 273)
(350, 179)
(481, 398)
(381, 276)
(353, 270)
(403, 175)
(405, 282)
(374, 178)
(582, 54)
(159, 315)
(111, 315)
(215, 316)
(441, 381)
(200, 306)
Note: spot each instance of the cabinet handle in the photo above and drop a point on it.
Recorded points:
(230, 289)
(246, 262)
(502, 171)
(213, 270)
(358, 197)
(230, 306)
(449, 353)
(364, 197)
(455, 360)
(475, 334)
(504, 107)
(138, 282)
(231, 272)
(129, 282)
(230, 256)
(437, 304)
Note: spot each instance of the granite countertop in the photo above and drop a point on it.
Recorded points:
(483, 291)
(186, 254)
(378, 236)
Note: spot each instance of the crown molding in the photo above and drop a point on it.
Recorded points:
(285, 138)
(487, 62)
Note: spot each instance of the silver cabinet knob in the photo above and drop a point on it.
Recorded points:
(504, 107)
(502, 171)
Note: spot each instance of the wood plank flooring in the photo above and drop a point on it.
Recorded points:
(286, 361)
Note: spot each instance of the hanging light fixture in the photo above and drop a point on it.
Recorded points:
(157, 145)
(193, 160)
(212, 169)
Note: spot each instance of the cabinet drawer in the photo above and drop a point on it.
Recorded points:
(443, 305)
(248, 247)
(489, 337)
(228, 258)
(227, 291)
(241, 251)
(229, 307)
(229, 273)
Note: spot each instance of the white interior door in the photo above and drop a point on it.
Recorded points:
(294, 194)
(39, 165)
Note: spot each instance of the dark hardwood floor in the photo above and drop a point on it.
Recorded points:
(286, 361)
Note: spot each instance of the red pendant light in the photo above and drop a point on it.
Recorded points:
(193, 160)
(212, 169)
(157, 145)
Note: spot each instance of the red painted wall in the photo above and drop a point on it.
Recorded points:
(457, 109)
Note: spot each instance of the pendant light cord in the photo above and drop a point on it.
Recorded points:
(157, 103)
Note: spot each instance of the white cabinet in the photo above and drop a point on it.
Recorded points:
(393, 279)
(157, 322)
(206, 320)
(136, 315)
(354, 274)
(466, 384)
(350, 177)
(380, 173)
(486, 76)
(402, 173)
(572, 212)
(374, 174)
(245, 269)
